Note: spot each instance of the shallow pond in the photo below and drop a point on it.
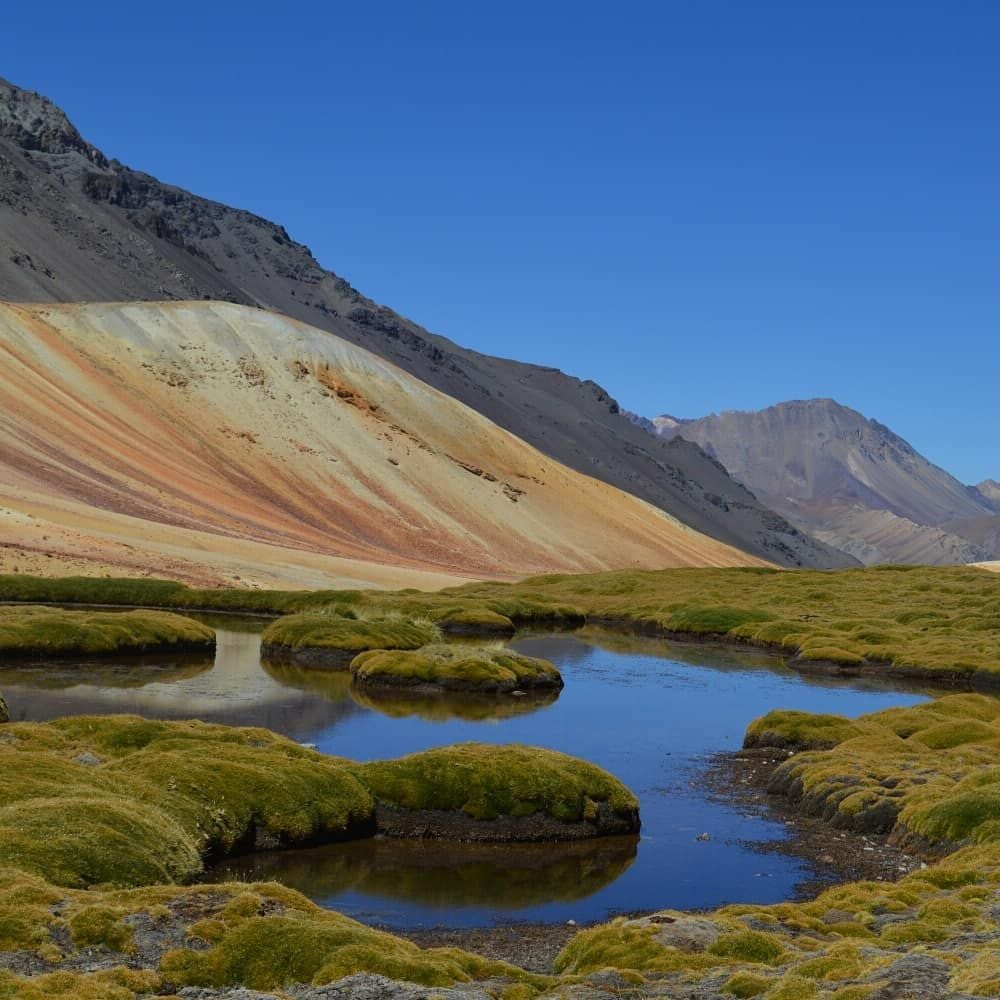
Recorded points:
(648, 710)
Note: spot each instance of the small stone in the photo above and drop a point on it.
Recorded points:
(703, 837)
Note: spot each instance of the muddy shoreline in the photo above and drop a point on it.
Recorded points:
(737, 778)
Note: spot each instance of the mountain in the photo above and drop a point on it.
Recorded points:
(849, 480)
(989, 490)
(77, 226)
(217, 443)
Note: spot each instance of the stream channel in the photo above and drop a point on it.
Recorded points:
(650, 711)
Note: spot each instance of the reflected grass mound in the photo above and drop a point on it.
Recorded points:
(439, 667)
(402, 704)
(124, 673)
(444, 874)
(333, 685)
(477, 791)
(42, 633)
(332, 638)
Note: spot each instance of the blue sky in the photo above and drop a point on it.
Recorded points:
(701, 205)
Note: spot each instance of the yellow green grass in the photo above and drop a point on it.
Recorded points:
(485, 782)
(915, 620)
(32, 632)
(926, 776)
(455, 668)
(121, 800)
(342, 633)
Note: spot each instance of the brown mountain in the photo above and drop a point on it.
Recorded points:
(77, 226)
(849, 480)
(218, 443)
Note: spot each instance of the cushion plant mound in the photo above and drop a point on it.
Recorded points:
(926, 775)
(477, 791)
(264, 937)
(125, 801)
(36, 632)
(323, 639)
(476, 621)
(439, 667)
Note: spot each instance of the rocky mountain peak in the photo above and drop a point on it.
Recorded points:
(36, 124)
(990, 490)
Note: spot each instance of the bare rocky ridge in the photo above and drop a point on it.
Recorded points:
(850, 481)
(77, 226)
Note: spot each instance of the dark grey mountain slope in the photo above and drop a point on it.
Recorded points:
(77, 226)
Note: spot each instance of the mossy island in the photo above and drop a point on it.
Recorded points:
(30, 632)
(330, 639)
(122, 800)
(482, 792)
(455, 668)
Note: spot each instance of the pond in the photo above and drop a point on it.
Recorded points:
(650, 711)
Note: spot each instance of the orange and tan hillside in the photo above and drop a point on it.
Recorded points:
(218, 443)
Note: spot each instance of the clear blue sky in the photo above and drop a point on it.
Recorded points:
(701, 205)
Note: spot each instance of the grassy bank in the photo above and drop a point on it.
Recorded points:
(924, 621)
(30, 632)
(925, 776)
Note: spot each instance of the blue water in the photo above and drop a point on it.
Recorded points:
(649, 711)
(652, 713)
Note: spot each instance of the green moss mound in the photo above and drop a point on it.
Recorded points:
(486, 782)
(329, 638)
(787, 728)
(476, 621)
(40, 632)
(156, 799)
(482, 669)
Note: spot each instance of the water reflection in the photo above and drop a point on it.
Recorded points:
(440, 874)
(647, 710)
(445, 707)
(231, 688)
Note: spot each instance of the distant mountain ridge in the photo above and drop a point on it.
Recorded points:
(77, 226)
(851, 481)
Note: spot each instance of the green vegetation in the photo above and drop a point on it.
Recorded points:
(33, 632)
(928, 777)
(485, 782)
(923, 621)
(929, 772)
(333, 636)
(476, 621)
(263, 936)
(455, 668)
(162, 797)
(120, 800)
